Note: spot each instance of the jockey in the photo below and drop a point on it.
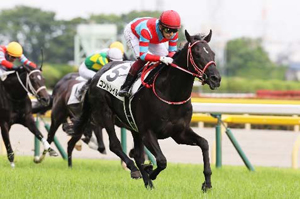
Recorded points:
(147, 38)
(95, 62)
(11, 52)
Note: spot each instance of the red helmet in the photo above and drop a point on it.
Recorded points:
(170, 19)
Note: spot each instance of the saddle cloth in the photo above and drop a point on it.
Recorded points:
(113, 79)
(73, 99)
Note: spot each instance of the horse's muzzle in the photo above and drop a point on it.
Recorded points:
(45, 101)
(214, 81)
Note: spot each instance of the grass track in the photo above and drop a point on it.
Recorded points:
(106, 179)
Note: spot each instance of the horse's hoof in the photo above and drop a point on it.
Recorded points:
(149, 185)
(12, 164)
(52, 152)
(36, 159)
(148, 168)
(78, 145)
(206, 187)
(136, 175)
(102, 150)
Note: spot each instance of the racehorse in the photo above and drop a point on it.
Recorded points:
(61, 111)
(161, 112)
(15, 104)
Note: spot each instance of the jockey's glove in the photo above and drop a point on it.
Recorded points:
(17, 68)
(166, 60)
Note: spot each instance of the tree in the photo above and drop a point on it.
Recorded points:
(29, 26)
(60, 48)
(247, 58)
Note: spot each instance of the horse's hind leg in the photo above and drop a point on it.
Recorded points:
(189, 137)
(10, 153)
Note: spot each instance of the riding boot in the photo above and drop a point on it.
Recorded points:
(136, 66)
(126, 86)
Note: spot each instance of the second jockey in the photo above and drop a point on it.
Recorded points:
(95, 62)
(147, 38)
(11, 52)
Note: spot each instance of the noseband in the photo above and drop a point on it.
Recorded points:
(29, 87)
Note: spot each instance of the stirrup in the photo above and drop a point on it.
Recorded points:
(124, 93)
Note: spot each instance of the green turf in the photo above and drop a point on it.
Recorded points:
(107, 179)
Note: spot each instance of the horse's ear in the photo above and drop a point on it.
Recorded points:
(187, 36)
(208, 37)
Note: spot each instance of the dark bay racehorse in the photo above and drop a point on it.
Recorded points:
(15, 105)
(61, 111)
(161, 112)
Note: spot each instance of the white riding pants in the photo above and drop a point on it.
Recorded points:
(85, 73)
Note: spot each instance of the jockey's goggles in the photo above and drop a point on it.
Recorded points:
(169, 30)
(13, 57)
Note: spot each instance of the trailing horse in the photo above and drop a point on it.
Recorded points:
(61, 111)
(15, 105)
(163, 111)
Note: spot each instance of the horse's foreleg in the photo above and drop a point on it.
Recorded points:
(138, 154)
(57, 118)
(71, 145)
(152, 144)
(5, 136)
(115, 147)
(99, 135)
(30, 124)
(189, 137)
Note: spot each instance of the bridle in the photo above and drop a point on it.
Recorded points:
(200, 73)
(28, 87)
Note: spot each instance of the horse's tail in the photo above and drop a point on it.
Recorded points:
(81, 122)
(39, 108)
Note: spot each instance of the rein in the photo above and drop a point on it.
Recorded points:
(199, 73)
(28, 87)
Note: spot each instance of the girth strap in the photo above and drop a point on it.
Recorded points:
(128, 113)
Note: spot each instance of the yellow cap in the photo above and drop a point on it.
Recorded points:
(118, 45)
(14, 49)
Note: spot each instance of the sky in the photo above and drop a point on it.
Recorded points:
(275, 20)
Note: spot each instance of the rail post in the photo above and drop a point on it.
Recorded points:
(239, 149)
(123, 140)
(36, 140)
(150, 156)
(218, 141)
